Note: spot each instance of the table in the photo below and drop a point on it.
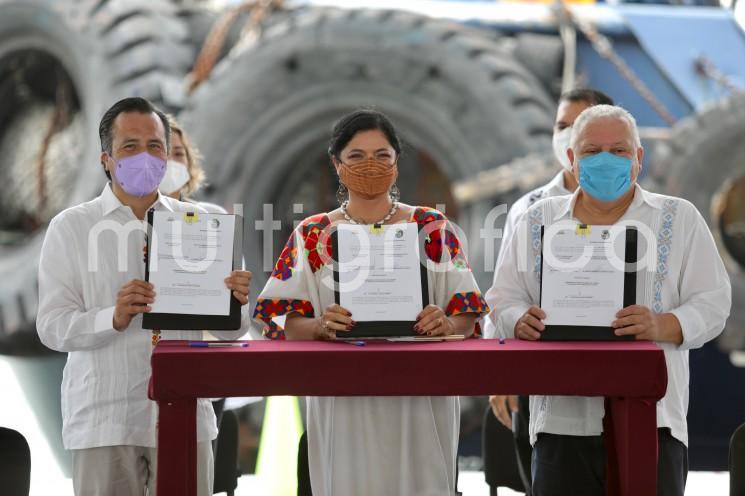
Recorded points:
(631, 375)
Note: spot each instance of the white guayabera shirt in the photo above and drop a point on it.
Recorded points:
(685, 276)
(555, 187)
(90, 251)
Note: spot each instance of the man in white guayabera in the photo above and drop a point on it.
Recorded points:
(571, 104)
(91, 299)
(683, 300)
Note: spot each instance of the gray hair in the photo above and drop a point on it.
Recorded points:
(597, 112)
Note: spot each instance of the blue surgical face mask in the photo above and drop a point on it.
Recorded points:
(604, 176)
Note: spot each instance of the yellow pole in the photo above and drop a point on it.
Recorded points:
(276, 465)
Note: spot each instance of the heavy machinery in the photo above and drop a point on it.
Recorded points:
(471, 85)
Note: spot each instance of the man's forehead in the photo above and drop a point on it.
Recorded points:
(571, 108)
(609, 129)
(139, 123)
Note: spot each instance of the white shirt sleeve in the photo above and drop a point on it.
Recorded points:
(513, 216)
(518, 208)
(63, 322)
(705, 291)
(509, 297)
(248, 328)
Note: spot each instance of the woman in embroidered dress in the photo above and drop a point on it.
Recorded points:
(373, 445)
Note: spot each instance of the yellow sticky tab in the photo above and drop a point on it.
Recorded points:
(376, 229)
(582, 230)
(191, 217)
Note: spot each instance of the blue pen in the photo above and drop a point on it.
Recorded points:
(356, 343)
(208, 344)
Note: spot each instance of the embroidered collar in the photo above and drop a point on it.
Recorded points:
(640, 196)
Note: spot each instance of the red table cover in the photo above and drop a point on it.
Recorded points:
(631, 375)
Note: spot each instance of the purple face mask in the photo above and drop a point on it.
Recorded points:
(140, 175)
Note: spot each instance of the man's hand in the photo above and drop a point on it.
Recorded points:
(499, 406)
(240, 282)
(133, 298)
(640, 322)
(529, 326)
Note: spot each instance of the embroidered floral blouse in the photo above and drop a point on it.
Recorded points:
(302, 278)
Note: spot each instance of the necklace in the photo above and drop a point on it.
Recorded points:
(394, 207)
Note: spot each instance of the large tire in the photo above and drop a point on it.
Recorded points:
(201, 18)
(543, 55)
(263, 120)
(704, 162)
(100, 51)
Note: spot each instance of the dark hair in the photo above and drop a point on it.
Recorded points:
(361, 120)
(588, 95)
(131, 104)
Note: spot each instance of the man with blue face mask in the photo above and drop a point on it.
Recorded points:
(683, 300)
(92, 295)
(571, 104)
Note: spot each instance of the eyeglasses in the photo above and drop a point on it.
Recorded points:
(360, 158)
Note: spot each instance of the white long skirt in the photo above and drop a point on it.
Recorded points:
(383, 446)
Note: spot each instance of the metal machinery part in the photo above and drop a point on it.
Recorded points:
(277, 96)
(703, 161)
(61, 65)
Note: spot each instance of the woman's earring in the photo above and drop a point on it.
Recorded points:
(342, 194)
(395, 193)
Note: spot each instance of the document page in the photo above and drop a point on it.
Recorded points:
(380, 272)
(189, 260)
(580, 286)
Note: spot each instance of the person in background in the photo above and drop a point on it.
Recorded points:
(184, 174)
(92, 295)
(371, 446)
(683, 299)
(571, 104)
(185, 177)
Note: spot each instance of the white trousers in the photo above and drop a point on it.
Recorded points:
(130, 470)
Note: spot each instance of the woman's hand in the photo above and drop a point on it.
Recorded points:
(432, 321)
(334, 319)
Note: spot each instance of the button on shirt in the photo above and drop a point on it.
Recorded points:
(553, 188)
(90, 251)
(685, 276)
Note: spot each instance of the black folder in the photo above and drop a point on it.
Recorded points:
(380, 329)
(195, 322)
(599, 333)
